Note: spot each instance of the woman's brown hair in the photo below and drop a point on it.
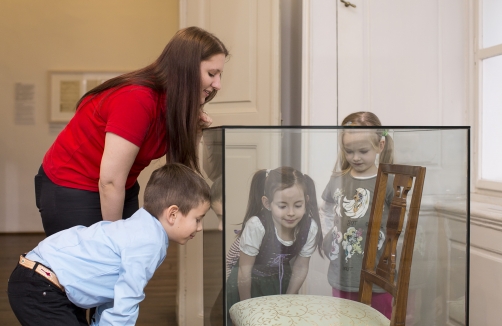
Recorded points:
(176, 73)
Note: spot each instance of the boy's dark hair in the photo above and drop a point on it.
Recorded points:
(175, 184)
(216, 190)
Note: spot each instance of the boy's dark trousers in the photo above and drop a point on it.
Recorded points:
(36, 301)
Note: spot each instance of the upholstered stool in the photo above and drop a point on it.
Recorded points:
(308, 310)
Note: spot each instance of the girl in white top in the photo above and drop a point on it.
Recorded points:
(281, 222)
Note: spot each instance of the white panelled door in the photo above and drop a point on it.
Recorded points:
(406, 61)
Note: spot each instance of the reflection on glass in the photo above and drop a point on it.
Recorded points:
(439, 274)
(491, 118)
(492, 24)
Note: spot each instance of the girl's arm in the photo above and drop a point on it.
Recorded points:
(327, 216)
(118, 156)
(232, 255)
(300, 270)
(246, 264)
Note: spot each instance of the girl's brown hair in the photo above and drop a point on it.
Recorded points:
(267, 183)
(176, 73)
(364, 118)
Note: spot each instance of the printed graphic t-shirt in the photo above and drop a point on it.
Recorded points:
(346, 215)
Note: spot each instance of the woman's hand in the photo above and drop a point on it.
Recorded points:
(204, 122)
(118, 156)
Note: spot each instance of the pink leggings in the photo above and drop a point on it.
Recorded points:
(380, 301)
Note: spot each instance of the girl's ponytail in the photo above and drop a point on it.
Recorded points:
(312, 210)
(256, 191)
(387, 154)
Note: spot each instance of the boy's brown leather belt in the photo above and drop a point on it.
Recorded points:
(42, 270)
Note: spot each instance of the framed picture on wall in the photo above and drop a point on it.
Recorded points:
(67, 87)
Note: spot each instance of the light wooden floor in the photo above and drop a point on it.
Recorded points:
(158, 308)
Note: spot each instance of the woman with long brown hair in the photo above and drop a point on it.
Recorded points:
(90, 172)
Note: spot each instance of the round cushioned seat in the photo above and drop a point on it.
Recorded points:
(311, 310)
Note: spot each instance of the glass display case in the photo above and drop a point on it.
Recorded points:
(236, 158)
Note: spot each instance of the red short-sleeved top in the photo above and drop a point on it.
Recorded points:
(135, 113)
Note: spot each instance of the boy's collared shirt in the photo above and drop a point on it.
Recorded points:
(106, 265)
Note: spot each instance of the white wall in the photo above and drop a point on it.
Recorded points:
(39, 36)
(449, 104)
(319, 75)
(405, 61)
(485, 264)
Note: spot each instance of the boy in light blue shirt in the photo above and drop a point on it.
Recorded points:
(108, 264)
